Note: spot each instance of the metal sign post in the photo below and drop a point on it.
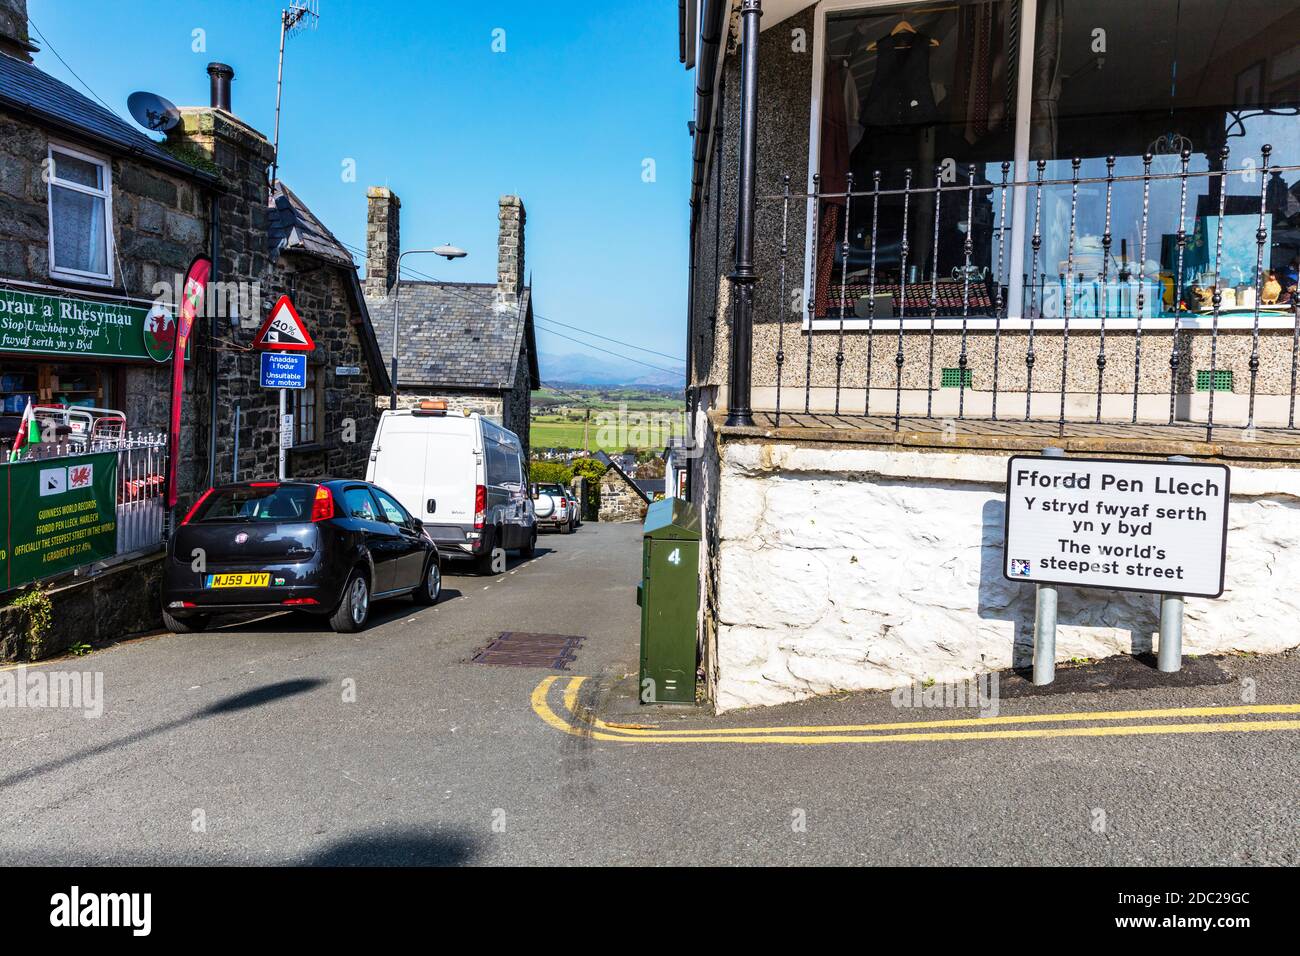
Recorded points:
(1045, 598)
(1169, 653)
(284, 452)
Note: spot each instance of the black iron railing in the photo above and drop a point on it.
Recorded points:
(921, 263)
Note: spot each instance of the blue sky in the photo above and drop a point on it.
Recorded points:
(565, 118)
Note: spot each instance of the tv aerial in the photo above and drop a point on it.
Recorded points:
(152, 111)
(300, 15)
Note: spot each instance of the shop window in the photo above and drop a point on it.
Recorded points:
(306, 404)
(80, 197)
(1129, 80)
(915, 86)
(72, 385)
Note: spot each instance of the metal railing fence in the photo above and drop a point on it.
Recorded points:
(881, 294)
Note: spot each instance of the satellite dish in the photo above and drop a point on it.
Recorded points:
(153, 111)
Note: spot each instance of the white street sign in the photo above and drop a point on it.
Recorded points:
(286, 431)
(1157, 526)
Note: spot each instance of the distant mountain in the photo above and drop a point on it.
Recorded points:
(575, 368)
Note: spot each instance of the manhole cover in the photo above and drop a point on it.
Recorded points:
(524, 649)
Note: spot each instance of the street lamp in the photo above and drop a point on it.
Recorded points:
(448, 252)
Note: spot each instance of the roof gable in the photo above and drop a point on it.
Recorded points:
(292, 227)
(627, 479)
(456, 335)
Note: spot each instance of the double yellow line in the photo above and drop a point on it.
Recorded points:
(1110, 723)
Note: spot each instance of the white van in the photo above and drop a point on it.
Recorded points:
(465, 477)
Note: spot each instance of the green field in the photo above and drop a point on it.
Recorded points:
(612, 419)
(551, 431)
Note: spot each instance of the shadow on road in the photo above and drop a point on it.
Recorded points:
(400, 848)
(260, 696)
(268, 694)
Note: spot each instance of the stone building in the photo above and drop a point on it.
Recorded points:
(278, 247)
(128, 213)
(469, 344)
(1039, 263)
(99, 222)
(621, 499)
(119, 223)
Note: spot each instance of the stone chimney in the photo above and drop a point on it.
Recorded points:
(383, 240)
(241, 156)
(13, 30)
(510, 248)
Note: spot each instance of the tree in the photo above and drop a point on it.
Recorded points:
(549, 472)
(651, 468)
(592, 470)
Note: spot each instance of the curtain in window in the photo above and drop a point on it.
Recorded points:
(834, 168)
(79, 231)
(1047, 80)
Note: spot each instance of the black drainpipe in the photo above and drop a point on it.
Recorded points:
(713, 23)
(214, 242)
(743, 276)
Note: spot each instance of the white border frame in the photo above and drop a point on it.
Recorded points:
(105, 193)
(1015, 319)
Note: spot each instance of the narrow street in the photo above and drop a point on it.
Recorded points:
(237, 746)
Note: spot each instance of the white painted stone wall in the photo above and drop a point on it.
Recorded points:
(844, 568)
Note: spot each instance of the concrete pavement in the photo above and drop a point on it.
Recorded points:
(278, 742)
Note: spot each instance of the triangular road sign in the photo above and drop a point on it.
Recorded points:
(283, 329)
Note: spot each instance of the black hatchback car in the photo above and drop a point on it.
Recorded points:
(328, 548)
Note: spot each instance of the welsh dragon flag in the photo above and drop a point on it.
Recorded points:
(29, 433)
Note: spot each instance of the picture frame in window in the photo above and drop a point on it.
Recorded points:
(101, 191)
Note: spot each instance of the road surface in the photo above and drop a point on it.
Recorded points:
(276, 742)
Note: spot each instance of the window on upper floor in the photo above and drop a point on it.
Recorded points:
(80, 198)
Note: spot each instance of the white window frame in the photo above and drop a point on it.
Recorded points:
(106, 193)
(1018, 202)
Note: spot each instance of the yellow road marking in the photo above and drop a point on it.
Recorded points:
(1114, 715)
(597, 729)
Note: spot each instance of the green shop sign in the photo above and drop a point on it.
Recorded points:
(55, 325)
(57, 514)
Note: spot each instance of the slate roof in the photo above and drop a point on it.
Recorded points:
(649, 486)
(292, 227)
(29, 91)
(456, 335)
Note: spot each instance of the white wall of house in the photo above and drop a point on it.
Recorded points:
(843, 568)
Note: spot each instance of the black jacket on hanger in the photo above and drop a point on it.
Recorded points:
(900, 91)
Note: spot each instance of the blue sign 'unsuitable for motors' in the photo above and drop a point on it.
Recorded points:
(284, 370)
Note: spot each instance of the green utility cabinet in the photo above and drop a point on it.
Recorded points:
(669, 599)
